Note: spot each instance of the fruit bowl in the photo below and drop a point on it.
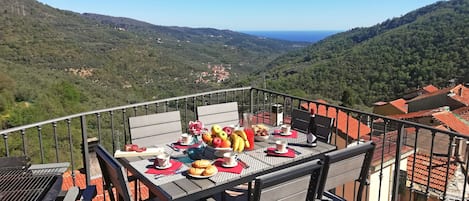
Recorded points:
(219, 151)
(261, 138)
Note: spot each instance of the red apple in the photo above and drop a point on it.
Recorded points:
(133, 147)
(216, 142)
(228, 130)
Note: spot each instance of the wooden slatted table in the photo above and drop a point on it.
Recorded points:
(182, 187)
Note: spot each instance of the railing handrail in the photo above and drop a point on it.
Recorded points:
(19, 128)
(465, 135)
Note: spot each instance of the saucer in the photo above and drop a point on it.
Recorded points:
(285, 134)
(185, 144)
(229, 165)
(281, 152)
(162, 168)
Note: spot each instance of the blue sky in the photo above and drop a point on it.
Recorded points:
(243, 15)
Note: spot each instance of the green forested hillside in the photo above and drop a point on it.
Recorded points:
(427, 46)
(54, 63)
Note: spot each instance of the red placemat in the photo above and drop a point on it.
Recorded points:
(294, 134)
(236, 169)
(271, 152)
(175, 165)
(180, 146)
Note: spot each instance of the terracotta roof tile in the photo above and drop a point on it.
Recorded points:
(411, 115)
(385, 147)
(423, 167)
(454, 123)
(80, 181)
(462, 97)
(430, 88)
(351, 127)
(400, 104)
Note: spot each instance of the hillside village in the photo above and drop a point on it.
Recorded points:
(446, 109)
(216, 73)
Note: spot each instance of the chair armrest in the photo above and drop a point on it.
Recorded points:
(72, 194)
(332, 196)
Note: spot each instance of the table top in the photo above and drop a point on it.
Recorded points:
(183, 187)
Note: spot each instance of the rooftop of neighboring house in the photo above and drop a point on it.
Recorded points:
(438, 170)
(419, 114)
(353, 128)
(388, 143)
(458, 93)
(451, 121)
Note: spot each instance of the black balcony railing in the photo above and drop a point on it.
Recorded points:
(411, 160)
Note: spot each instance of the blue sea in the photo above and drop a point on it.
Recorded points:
(298, 36)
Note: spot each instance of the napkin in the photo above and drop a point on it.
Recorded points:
(236, 169)
(294, 134)
(175, 165)
(180, 146)
(271, 152)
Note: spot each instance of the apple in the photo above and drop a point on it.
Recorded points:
(133, 147)
(225, 144)
(216, 129)
(228, 130)
(222, 135)
(206, 137)
(216, 142)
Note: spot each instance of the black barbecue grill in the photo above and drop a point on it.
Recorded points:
(22, 182)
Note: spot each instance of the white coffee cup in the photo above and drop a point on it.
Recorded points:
(186, 138)
(285, 129)
(162, 160)
(229, 158)
(281, 145)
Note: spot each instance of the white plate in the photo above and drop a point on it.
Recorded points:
(229, 165)
(286, 134)
(162, 168)
(283, 152)
(203, 177)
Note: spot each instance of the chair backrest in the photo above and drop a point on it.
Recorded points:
(322, 127)
(294, 183)
(346, 165)
(300, 120)
(156, 128)
(113, 175)
(223, 114)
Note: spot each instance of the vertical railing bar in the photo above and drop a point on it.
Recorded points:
(166, 105)
(336, 122)
(98, 121)
(369, 118)
(399, 142)
(5, 142)
(430, 165)
(157, 105)
(359, 126)
(450, 148)
(382, 159)
(465, 173)
(194, 99)
(177, 105)
(86, 154)
(413, 162)
(124, 120)
(146, 107)
(135, 110)
(185, 119)
(56, 141)
(111, 115)
(41, 147)
(23, 138)
(251, 100)
(70, 141)
(347, 123)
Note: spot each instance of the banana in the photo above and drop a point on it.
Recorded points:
(234, 141)
(241, 144)
(244, 137)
